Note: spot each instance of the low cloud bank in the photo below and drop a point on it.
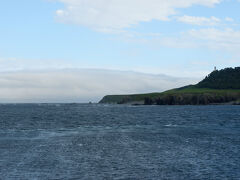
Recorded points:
(80, 85)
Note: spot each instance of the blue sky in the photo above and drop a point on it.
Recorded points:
(174, 41)
(184, 38)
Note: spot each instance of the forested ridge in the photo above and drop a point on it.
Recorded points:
(228, 78)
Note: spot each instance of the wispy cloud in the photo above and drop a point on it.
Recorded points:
(200, 21)
(115, 15)
(211, 38)
(226, 39)
(118, 15)
(229, 19)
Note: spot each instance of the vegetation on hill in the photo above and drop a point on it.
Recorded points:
(194, 96)
(218, 87)
(228, 78)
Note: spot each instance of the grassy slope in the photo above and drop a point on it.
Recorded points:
(129, 98)
(180, 91)
(201, 90)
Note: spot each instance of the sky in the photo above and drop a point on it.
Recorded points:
(149, 38)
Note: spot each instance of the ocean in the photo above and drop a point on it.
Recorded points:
(94, 141)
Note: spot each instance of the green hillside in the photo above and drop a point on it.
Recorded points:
(217, 88)
(228, 78)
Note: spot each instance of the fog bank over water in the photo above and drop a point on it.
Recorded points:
(80, 85)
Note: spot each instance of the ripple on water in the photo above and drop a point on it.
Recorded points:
(82, 141)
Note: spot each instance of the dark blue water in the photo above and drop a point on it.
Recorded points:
(74, 141)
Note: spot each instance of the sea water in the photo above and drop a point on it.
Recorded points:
(91, 141)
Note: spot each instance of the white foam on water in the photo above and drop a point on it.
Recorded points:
(52, 134)
(170, 125)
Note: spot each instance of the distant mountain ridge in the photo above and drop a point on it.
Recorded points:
(219, 87)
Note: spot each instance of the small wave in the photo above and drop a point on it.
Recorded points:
(51, 134)
(170, 125)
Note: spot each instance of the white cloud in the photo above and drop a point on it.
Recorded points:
(227, 39)
(229, 19)
(115, 15)
(80, 85)
(200, 21)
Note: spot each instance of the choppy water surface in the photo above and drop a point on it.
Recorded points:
(74, 141)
